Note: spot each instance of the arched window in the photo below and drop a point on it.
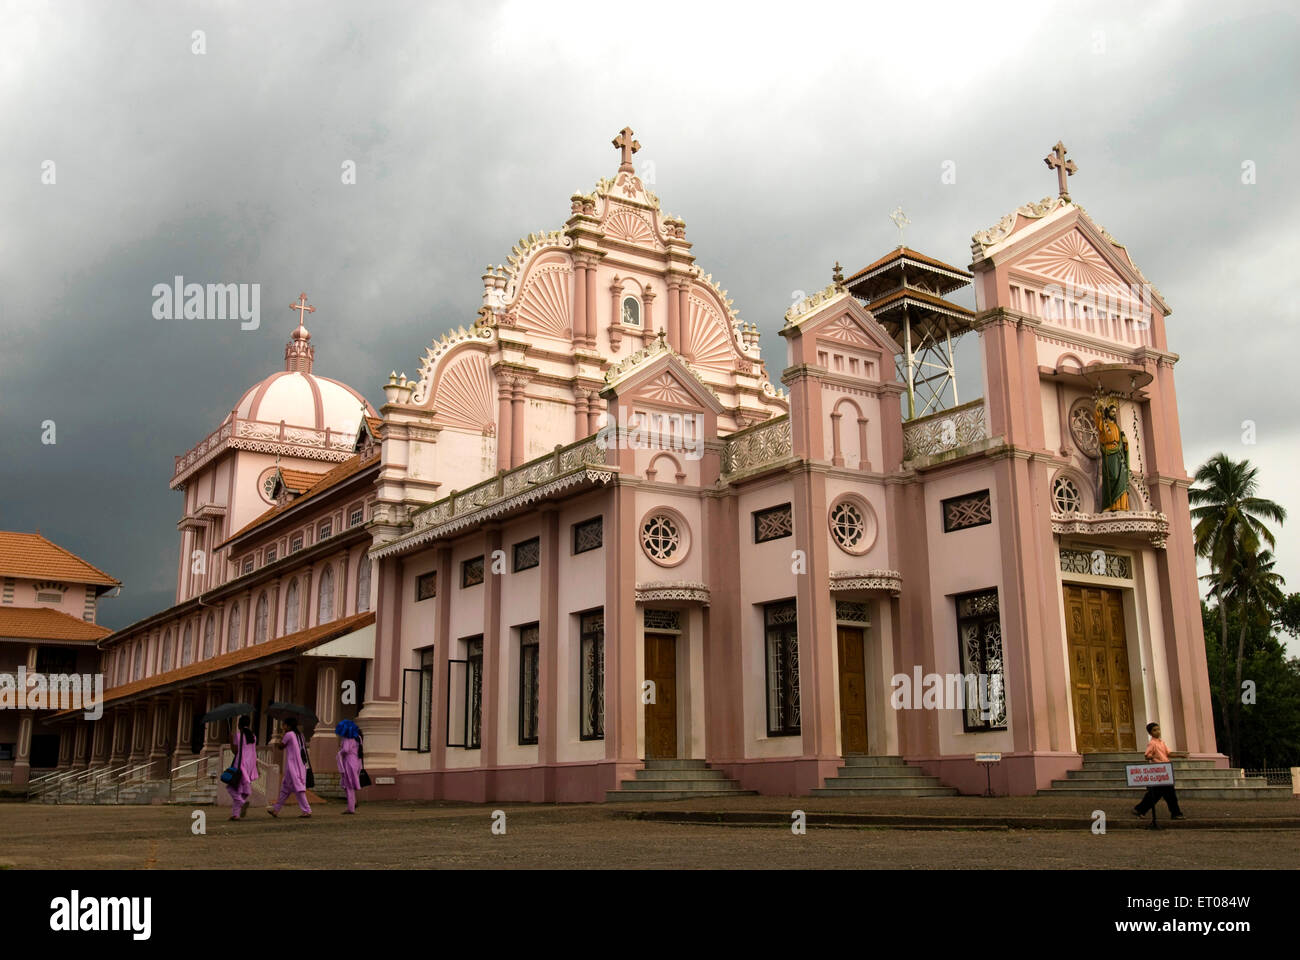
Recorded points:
(167, 651)
(292, 608)
(187, 648)
(631, 311)
(210, 637)
(263, 615)
(234, 637)
(325, 596)
(137, 671)
(363, 584)
(121, 665)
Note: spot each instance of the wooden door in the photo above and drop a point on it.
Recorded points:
(853, 691)
(1099, 676)
(661, 716)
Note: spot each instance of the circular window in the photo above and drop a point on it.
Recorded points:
(1083, 428)
(853, 525)
(1065, 495)
(664, 537)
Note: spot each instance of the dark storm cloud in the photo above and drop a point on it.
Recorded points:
(783, 138)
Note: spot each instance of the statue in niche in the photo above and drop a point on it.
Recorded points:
(1113, 444)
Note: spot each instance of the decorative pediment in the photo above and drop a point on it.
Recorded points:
(1072, 259)
(657, 374)
(835, 314)
(465, 394)
(630, 226)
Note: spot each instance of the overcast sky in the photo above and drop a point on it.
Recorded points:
(783, 135)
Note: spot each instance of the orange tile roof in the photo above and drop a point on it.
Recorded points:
(346, 469)
(32, 556)
(911, 254)
(376, 425)
(292, 643)
(299, 480)
(46, 623)
(920, 295)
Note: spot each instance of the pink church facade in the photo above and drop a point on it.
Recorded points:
(596, 533)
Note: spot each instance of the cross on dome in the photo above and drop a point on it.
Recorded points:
(303, 309)
(1063, 167)
(298, 352)
(627, 146)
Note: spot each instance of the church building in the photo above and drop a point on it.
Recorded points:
(597, 548)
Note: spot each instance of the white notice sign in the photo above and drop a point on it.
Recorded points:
(1149, 774)
(988, 758)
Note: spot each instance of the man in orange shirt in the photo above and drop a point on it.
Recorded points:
(1158, 752)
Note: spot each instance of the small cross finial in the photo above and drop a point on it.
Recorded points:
(900, 221)
(627, 146)
(1064, 168)
(837, 275)
(303, 309)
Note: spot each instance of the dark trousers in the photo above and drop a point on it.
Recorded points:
(1154, 794)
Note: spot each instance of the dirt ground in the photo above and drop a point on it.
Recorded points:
(958, 833)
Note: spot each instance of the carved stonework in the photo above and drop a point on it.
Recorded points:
(757, 446)
(887, 580)
(1083, 429)
(658, 591)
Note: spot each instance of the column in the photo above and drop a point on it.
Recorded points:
(505, 434)
(579, 301)
(674, 315)
(647, 302)
(615, 313)
(494, 644)
(837, 454)
(517, 424)
(591, 303)
(683, 316)
(580, 404)
(23, 751)
(552, 622)
(159, 754)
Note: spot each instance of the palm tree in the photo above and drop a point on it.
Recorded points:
(1229, 530)
(1256, 591)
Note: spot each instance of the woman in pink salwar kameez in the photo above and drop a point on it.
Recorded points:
(295, 771)
(244, 743)
(349, 761)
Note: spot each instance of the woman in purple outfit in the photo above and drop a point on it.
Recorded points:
(349, 761)
(244, 743)
(295, 769)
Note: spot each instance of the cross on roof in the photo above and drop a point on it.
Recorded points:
(627, 146)
(1063, 167)
(303, 309)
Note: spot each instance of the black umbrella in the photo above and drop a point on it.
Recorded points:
(281, 710)
(226, 711)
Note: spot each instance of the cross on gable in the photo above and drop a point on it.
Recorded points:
(1063, 167)
(627, 146)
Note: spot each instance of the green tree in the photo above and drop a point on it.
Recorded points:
(1229, 530)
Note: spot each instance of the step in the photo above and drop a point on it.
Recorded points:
(937, 791)
(853, 761)
(681, 783)
(857, 783)
(1178, 764)
(622, 796)
(1218, 776)
(674, 763)
(669, 773)
(1194, 793)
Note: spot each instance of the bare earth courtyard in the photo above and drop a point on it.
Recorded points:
(947, 833)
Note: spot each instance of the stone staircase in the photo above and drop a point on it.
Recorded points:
(881, 777)
(676, 780)
(1102, 775)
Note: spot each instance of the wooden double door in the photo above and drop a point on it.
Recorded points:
(853, 690)
(1099, 675)
(661, 715)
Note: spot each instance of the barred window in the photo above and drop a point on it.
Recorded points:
(356, 517)
(262, 620)
(296, 543)
(471, 572)
(363, 584)
(326, 530)
(968, 510)
(426, 586)
(248, 565)
(292, 607)
(209, 636)
(270, 554)
(168, 644)
(782, 641)
(474, 693)
(979, 632)
(187, 648)
(528, 554)
(325, 596)
(591, 645)
(588, 535)
(1065, 495)
(425, 716)
(773, 523)
(528, 685)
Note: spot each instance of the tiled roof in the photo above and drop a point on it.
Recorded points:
(899, 252)
(347, 468)
(32, 556)
(46, 623)
(376, 425)
(291, 643)
(299, 480)
(919, 295)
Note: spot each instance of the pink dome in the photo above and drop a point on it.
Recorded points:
(304, 400)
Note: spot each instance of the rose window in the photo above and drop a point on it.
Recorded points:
(661, 537)
(1065, 495)
(848, 525)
